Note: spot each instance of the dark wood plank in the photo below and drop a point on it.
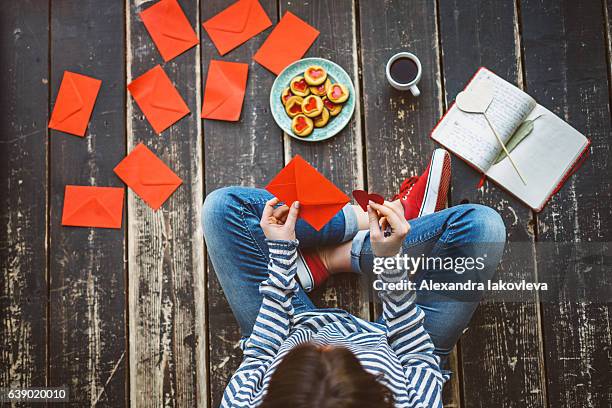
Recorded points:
(87, 269)
(24, 45)
(608, 21)
(501, 357)
(397, 125)
(249, 153)
(566, 71)
(165, 253)
(339, 158)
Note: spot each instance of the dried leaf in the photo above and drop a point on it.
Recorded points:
(519, 135)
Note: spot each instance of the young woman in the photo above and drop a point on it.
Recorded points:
(296, 355)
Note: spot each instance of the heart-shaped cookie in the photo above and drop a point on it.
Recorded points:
(311, 105)
(477, 99)
(300, 123)
(363, 198)
(336, 92)
(316, 73)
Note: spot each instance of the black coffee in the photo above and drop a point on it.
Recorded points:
(404, 70)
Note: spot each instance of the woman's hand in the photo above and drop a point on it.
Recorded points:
(388, 242)
(279, 223)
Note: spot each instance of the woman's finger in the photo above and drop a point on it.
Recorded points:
(398, 211)
(280, 213)
(375, 233)
(269, 208)
(293, 215)
(390, 215)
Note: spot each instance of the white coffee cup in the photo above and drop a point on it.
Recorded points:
(412, 85)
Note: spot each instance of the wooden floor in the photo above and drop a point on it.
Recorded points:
(136, 316)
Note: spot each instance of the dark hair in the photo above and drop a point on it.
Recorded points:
(311, 376)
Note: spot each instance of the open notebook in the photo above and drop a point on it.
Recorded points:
(545, 158)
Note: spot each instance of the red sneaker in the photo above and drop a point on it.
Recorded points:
(311, 272)
(427, 193)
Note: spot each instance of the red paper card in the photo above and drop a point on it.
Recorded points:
(158, 99)
(224, 93)
(288, 42)
(87, 206)
(319, 198)
(148, 176)
(363, 198)
(169, 28)
(236, 24)
(75, 102)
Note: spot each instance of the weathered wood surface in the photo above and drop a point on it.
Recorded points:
(181, 335)
(501, 357)
(24, 44)
(248, 153)
(566, 70)
(165, 247)
(397, 125)
(87, 330)
(608, 21)
(339, 158)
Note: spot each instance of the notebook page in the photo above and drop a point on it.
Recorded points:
(469, 135)
(544, 158)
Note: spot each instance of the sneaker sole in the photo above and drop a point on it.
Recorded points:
(303, 273)
(438, 182)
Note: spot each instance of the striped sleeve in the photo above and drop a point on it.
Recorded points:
(411, 343)
(276, 312)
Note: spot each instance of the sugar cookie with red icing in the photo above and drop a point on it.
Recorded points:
(302, 125)
(322, 119)
(315, 75)
(321, 90)
(312, 106)
(285, 95)
(337, 93)
(333, 108)
(299, 86)
(293, 106)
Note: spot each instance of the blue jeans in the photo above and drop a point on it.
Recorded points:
(239, 254)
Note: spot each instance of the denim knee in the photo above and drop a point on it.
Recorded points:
(216, 207)
(481, 232)
(490, 224)
(481, 223)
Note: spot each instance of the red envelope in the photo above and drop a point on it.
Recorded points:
(288, 42)
(158, 99)
(319, 198)
(74, 104)
(169, 28)
(236, 24)
(148, 176)
(224, 93)
(87, 206)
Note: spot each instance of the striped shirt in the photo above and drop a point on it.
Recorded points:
(400, 352)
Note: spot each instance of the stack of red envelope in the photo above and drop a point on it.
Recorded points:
(226, 82)
(173, 34)
(102, 207)
(162, 104)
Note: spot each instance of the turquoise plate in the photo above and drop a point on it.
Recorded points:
(336, 74)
